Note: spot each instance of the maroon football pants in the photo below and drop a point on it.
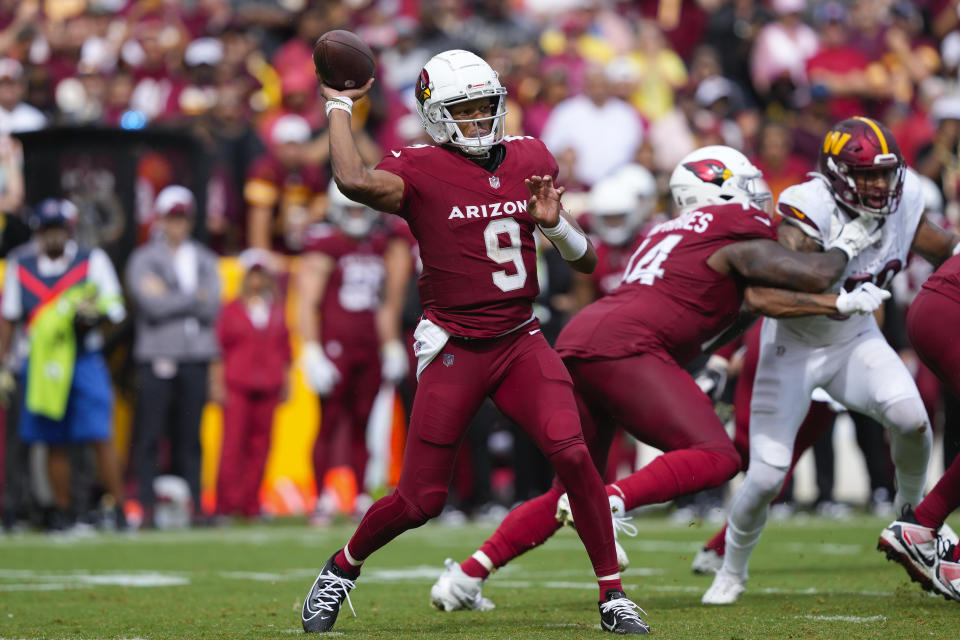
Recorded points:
(528, 382)
(342, 439)
(932, 323)
(657, 402)
(247, 425)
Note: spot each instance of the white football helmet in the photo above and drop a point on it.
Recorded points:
(354, 219)
(617, 209)
(458, 76)
(717, 175)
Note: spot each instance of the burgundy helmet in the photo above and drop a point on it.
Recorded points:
(856, 146)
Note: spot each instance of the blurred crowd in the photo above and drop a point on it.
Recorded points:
(618, 90)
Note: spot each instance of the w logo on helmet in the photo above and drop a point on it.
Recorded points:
(423, 86)
(712, 171)
(834, 142)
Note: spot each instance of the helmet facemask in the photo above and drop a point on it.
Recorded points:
(493, 124)
(871, 191)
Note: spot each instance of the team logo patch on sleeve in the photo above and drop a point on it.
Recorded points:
(789, 211)
(712, 171)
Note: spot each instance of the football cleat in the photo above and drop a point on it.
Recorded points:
(707, 561)
(618, 614)
(726, 588)
(456, 591)
(621, 523)
(946, 574)
(912, 545)
(326, 596)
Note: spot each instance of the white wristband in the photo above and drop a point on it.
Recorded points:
(570, 242)
(340, 102)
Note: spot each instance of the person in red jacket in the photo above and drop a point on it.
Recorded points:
(256, 357)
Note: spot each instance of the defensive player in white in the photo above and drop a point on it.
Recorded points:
(861, 172)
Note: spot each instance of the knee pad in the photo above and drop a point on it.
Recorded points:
(570, 459)
(907, 416)
(427, 504)
(765, 479)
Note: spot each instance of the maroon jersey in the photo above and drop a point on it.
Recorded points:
(670, 298)
(476, 238)
(946, 279)
(353, 293)
(611, 261)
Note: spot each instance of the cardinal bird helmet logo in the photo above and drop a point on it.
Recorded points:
(712, 171)
(423, 86)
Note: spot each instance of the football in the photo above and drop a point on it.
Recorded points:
(343, 60)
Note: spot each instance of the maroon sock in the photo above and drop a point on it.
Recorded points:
(677, 473)
(384, 521)
(341, 561)
(718, 541)
(606, 585)
(943, 499)
(526, 527)
(472, 567)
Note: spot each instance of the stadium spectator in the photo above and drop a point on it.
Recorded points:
(175, 287)
(283, 192)
(255, 344)
(601, 131)
(16, 116)
(779, 54)
(66, 396)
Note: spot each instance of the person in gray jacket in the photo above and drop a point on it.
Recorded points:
(175, 287)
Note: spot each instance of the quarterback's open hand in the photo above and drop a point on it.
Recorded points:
(544, 204)
(866, 298)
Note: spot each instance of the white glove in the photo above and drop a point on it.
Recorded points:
(866, 298)
(321, 374)
(712, 379)
(854, 236)
(393, 362)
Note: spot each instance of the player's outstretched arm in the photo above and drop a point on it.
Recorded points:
(766, 262)
(380, 190)
(558, 226)
(934, 244)
(781, 303)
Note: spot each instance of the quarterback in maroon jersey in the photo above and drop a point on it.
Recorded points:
(684, 285)
(355, 274)
(472, 202)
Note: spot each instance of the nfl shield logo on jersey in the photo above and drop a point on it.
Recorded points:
(495, 182)
(448, 359)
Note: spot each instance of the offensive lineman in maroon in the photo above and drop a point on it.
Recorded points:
(684, 285)
(472, 203)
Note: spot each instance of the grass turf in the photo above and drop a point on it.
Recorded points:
(810, 578)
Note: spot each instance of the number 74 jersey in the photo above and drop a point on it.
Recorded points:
(475, 235)
(810, 206)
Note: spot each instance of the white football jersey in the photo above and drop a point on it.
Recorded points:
(810, 206)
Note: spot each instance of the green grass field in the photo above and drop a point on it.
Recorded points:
(810, 578)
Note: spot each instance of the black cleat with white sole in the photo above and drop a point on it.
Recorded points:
(618, 615)
(326, 596)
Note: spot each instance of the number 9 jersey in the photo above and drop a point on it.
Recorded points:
(476, 238)
(810, 206)
(670, 299)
